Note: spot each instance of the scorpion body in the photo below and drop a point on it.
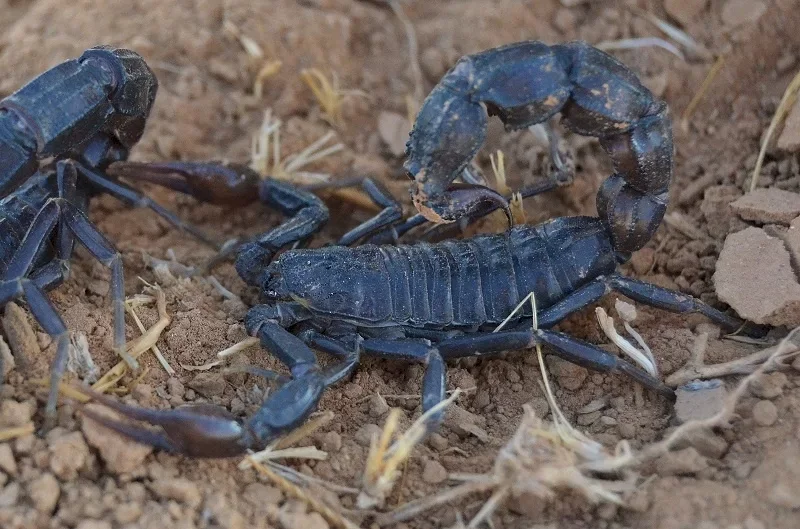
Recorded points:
(427, 303)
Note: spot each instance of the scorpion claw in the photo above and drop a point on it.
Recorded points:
(200, 430)
(219, 183)
(460, 201)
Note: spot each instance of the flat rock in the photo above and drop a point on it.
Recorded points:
(789, 139)
(768, 205)
(685, 11)
(699, 400)
(738, 12)
(754, 276)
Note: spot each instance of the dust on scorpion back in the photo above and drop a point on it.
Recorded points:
(463, 283)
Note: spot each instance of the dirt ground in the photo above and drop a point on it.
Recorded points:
(744, 477)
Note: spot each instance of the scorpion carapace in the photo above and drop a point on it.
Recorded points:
(527, 83)
(427, 303)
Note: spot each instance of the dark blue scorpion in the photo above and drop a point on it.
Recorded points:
(428, 303)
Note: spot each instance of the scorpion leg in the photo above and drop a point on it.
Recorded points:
(211, 431)
(636, 290)
(238, 185)
(571, 349)
(390, 213)
(433, 382)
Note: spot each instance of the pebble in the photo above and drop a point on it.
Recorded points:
(434, 472)
(8, 361)
(540, 406)
(737, 12)
(705, 442)
(302, 520)
(587, 419)
(393, 129)
(7, 462)
(433, 63)
(438, 442)
(569, 376)
(175, 387)
(44, 492)
(626, 430)
(93, 524)
(681, 463)
(120, 455)
(13, 413)
(331, 442)
(208, 384)
(765, 413)
(593, 406)
(564, 20)
(699, 400)
(465, 423)
(685, 11)
(353, 391)
(643, 260)
(784, 496)
(377, 406)
(9, 495)
(68, 455)
(768, 386)
(605, 420)
(179, 489)
(364, 435)
(260, 494)
(128, 512)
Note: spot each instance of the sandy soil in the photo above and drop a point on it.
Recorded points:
(746, 476)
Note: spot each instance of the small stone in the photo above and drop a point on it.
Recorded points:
(208, 384)
(377, 406)
(699, 400)
(175, 387)
(607, 511)
(9, 495)
(465, 423)
(593, 406)
(569, 376)
(13, 413)
(588, 419)
(127, 512)
(331, 442)
(755, 276)
(605, 420)
(179, 489)
(765, 413)
(784, 496)
(529, 504)
(7, 359)
(737, 12)
(68, 455)
(353, 391)
(768, 205)
(93, 524)
(626, 430)
(540, 406)
(438, 442)
(434, 472)
(366, 433)
(260, 494)
(19, 333)
(642, 261)
(393, 129)
(44, 492)
(7, 462)
(685, 11)
(301, 520)
(684, 462)
(617, 403)
(768, 386)
(120, 454)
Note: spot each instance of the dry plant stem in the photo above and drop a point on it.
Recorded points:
(331, 516)
(722, 417)
(156, 351)
(698, 96)
(787, 102)
(413, 50)
(697, 369)
(310, 427)
(138, 346)
(644, 42)
(8, 434)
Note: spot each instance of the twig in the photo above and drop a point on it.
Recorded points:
(698, 96)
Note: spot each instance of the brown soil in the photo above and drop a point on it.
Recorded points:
(206, 110)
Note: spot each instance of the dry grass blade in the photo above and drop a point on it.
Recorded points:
(384, 459)
(129, 307)
(413, 55)
(644, 42)
(498, 161)
(787, 102)
(328, 94)
(138, 346)
(269, 69)
(674, 33)
(698, 96)
(251, 47)
(8, 434)
(331, 516)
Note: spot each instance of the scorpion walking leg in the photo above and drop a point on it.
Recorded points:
(571, 349)
(433, 382)
(636, 290)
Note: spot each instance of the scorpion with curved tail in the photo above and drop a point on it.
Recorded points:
(428, 303)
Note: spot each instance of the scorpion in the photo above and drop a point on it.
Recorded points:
(432, 302)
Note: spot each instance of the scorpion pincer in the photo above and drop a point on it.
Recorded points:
(428, 303)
